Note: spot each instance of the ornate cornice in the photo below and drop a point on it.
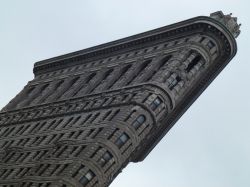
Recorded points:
(229, 21)
(133, 42)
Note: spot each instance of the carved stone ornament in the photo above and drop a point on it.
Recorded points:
(229, 21)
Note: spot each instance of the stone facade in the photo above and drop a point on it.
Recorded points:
(87, 114)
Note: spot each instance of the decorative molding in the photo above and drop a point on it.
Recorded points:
(229, 21)
(191, 26)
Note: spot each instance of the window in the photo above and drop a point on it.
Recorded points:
(90, 77)
(155, 103)
(105, 158)
(57, 86)
(174, 82)
(142, 68)
(122, 72)
(210, 44)
(87, 178)
(193, 63)
(122, 140)
(161, 64)
(139, 121)
(73, 82)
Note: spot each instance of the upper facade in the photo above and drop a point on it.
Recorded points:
(87, 114)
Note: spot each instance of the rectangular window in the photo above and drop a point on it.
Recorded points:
(156, 103)
(87, 178)
(122, 140)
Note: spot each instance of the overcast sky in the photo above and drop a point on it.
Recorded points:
(209, 146)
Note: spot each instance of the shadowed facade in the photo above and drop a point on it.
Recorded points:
(87, 114)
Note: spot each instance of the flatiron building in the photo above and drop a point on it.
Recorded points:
(88, 114)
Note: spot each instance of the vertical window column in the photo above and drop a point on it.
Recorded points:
(29, 98)
(61, 89)
(51, 89)
(122, 140)
(84, 180)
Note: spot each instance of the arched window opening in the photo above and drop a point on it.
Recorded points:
(59, 84)
(163, 62)
(142, 67)
(90, 77)
(193, 63)
(156, 103)
(44, 87)
(122, 140)
(139, 121)
(107, 74)
(123, 71)
(74, 80)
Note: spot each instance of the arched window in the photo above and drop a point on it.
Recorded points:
(155, 103)
(122, 140)
(107, 74)
(90, 77)
(210, 44)
(123, 71)
(139, 121)
(161, 64)
(142, 67)
(193, 63)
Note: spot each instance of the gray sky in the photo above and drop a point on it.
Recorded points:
(208, 146)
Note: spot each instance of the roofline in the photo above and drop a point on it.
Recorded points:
(125, 43)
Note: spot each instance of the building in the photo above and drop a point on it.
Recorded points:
(87, 114)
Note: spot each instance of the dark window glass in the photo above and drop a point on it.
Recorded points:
(90, 77)
(105, 158)
(193, 63)
(139, 121)
(123, 71)
(210, 44)
(87, 178)
(155, 103)
(122, 140)
(174, 82)
(142, 68)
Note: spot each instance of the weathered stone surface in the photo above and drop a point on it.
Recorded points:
(87, 114)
